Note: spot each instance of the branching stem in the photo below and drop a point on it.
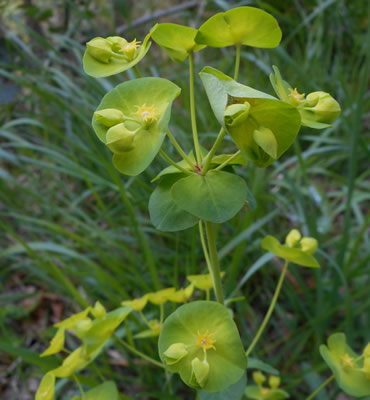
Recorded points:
(192, 110)
(318, 390)
(208, 159)
(179, 149)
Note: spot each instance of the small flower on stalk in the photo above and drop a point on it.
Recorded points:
(350, 370)
(208, 354)
(296, 249)
(260, 392)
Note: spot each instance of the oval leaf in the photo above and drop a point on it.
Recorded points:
(165, 214)
(215, 197)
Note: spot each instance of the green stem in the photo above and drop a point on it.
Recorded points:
(223, 165)
(172, 162)
(237, 61)
(179, 149)
(192, 110)
(214, 267)
(311, 396)
(138, 353)
(79, 385)
(208, 159)
(98, 372)
(144, 319)
(204, 245)
(270, 310)
(137, 72)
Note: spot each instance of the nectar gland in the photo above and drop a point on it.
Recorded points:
(205, 341)
(147, 114)
(296, 98)
(347, 361)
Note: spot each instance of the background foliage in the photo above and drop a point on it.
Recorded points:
(74, 231)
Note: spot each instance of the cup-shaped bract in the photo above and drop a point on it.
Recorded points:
(317, 109)
(109, 56)
(240, 26)
(146, 107)
(346, 366)
(177, 40)
(214, 357)
(262, 126)
(299, 251)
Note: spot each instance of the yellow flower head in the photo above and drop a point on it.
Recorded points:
(129, 48)
(295, 97)
(205, 341)
(347, 361)
(147, 114)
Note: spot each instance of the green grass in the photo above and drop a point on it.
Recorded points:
(76, 229)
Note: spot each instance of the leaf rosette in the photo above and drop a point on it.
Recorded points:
(262, 126)
(136, 133)
(109, 56)
(348, 368)
(200, 341)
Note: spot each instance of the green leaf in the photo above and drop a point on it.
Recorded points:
(69, 323)
(116, 64)
(105, 391)
(165, 214)
(219, 87)
(128, 97)
(46, 388)
(176, 40)
(56, 344)
(295, 255)
(255, 363)
(242, 25)
(69, 365)
(215, 197)
(226, 359)
(233, 392)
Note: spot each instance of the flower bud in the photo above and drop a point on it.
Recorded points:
(100, 49)
(117, 43)
(293, 238)
(274, 382)
(109, 117)
(98, 311)
(309, 245)
(323, 106)
(82, 327)
(120, 139)
(258, 377)
(235, 114)
(175, 353)
(199, 373)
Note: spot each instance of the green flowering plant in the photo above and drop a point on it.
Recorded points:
(199, 339)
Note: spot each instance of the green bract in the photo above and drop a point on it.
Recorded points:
(46, 388)
(346, 366)
(145, 104)
(301, 254)
(215, 197)
(317, 110)
(110, 56)
(262, 393)
(165, 214)
(105, 391)
(200, 341)
(261, 126)
(240, 26)
(177, 40)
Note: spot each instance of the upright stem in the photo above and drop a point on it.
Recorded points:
(237, 61)
(179, 149)
(204, 246)
(208, 159)
(137, 72)
(318, 390)
(192, 110)
(172, 162)
(214, 267)
(270, 310)
(228, 161)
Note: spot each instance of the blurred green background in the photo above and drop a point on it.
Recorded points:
(74, 231)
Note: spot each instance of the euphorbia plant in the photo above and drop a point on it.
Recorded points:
(200, 340)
